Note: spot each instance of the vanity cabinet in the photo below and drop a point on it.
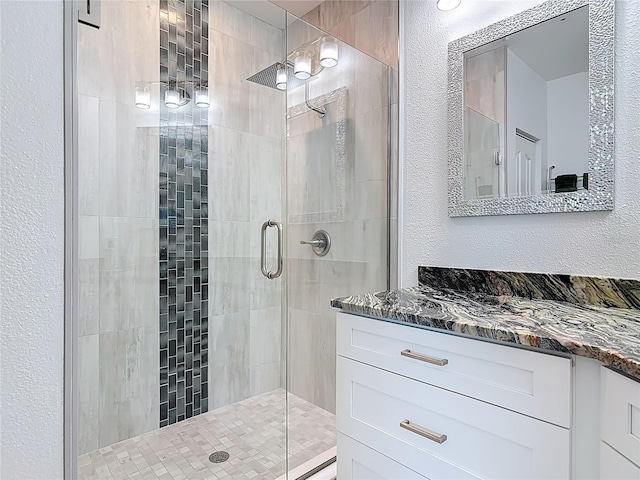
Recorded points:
(416, 403)
(450, 407)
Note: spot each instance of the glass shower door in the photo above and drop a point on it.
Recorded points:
(181, 161)
(336, 219)
(483, 167)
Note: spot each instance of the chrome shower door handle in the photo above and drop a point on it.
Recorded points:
(263, 258)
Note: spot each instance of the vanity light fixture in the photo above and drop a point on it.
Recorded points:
(281, 78)
(143, 98)
(448, 4)
(202, 98)
(302, 67)
(328, 54)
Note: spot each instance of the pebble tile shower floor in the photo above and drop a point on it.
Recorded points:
(252, 431)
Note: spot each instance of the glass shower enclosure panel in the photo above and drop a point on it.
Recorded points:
(483, 169)
(484, 123)
(180, 162)
(337, 168)
(211, 143)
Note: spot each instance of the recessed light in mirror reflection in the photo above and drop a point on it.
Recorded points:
(448, 4)
(328, 54)
(202, 98)
(143, 99)
(172, 98)
(302, 67)
(281, 79)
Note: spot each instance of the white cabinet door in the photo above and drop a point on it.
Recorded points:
(482, 440)
(620, 414)
(358, 462)
(535, 384)
(614, 466)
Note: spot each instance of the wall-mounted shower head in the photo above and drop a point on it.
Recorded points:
(269, 77)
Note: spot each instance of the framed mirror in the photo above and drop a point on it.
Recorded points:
(531, 123)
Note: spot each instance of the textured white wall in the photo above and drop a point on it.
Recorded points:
(31, 240)
(593, 243)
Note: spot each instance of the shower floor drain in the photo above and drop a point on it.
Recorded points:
(218, 457)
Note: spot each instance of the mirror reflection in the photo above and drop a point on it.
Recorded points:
(526, 111)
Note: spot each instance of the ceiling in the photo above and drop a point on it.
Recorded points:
(556, 48)
(553, 49)
(271, 12)
(298, 7)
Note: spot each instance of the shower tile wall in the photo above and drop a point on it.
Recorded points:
(246, 126)
(118, 226)
(119, 151)
(183, 214)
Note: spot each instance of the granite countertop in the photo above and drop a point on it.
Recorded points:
(608, 334)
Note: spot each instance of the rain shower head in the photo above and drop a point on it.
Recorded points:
(268, 77)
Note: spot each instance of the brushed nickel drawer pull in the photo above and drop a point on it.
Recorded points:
(425, 358)
(423, 432)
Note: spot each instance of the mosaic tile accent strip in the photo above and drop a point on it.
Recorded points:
(603, 292)
(183, 213)
(609, 335)
(181, 451)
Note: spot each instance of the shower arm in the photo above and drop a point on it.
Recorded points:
(320, 111)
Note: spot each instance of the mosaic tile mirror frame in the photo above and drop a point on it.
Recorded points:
(599, 195)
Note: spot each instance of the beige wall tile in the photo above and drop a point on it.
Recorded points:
(368, 25)
(88, 297)
(88, 155)
(265, 378)
(267, 37)
(88, 393)
(229, 361)
(229, 187)
(265, 335)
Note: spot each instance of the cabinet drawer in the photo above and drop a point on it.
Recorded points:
(482, 440)
(532, 383)
(358, 462)
(620, 415)
(614, 466)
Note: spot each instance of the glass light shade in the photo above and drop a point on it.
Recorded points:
(172, 98)
(448, 4)
(329, 54)
(302, 67)
(281, 79)
(202, 98)
(143, 99)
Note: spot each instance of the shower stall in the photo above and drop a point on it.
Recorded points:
(236, 171)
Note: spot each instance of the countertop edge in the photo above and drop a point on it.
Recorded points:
(507, 337)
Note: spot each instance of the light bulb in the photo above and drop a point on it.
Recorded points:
(448, 4)
(302, 67)
(281, 79)
(202, 98)
(172, 98)
(329, 54)
(143, 99)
